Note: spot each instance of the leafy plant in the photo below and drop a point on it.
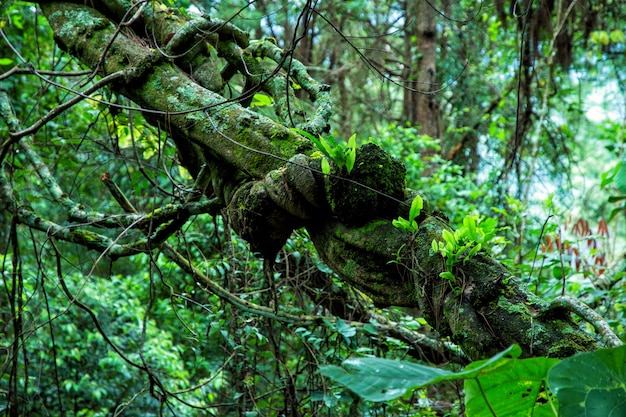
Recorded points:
(591, 384)
(615, 176)
(466, 241)
(588, 384)
(343, 154)
(410, 225)
(502, 385)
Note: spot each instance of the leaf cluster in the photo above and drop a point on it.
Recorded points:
(342, 154)
(410, 225)
(474, 235)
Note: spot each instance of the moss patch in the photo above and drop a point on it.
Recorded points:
(373, 189)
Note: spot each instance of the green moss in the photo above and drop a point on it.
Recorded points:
(514, 308)
(88, 236)
(373, 189)
(350, 268)
(567, 346)
(372, 237)
(80, 21)
(362, 259)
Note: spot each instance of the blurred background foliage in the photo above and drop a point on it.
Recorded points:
(530, 99)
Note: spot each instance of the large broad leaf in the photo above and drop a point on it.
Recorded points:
(620, 178)
(377, 379)
(591, 384)
(517, 388)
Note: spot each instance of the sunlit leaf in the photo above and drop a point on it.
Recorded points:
(448, 236)
(607, 177)
(474, 251)
(470, 223)
(316, 141)
(447, 275)
(351, 154)
(325, 166)
(617, 36)
(400, 223)
(435, 246)
(416, 207)
(261, 100)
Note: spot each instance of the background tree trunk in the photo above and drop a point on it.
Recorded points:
(420, 74)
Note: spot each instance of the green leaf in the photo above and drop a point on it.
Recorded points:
(616, 211)
(345, 329)
(261, 100)
(351, 154)
(617, 36)
(325, 166)
(600, 37)
(470, 223)
(517, 388)
(616, 198)
(6, 61)
(377, 379)
(620, 178)
(319, 143)
(371, 329)
(334, 149)
(328, 149)
(473, 252)
(435, 246)
(607, 177)
(400, 223)
(416, 207)
(448, 237)
(448, 276)
(459, 250)
(489, 225)
(305, 134)
(591, 384)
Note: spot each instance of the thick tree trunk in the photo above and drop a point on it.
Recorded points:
(264, 174)
(420, 102)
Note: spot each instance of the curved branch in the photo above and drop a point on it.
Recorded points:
(318, 93)
(589, 315)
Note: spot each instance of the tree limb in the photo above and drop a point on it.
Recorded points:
(268, 197)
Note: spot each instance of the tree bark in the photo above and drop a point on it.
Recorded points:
(420, 102)
(265, 174)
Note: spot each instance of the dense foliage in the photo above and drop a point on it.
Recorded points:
(531, 101)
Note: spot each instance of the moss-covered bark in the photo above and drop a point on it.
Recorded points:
(262, 172)
(228, 133)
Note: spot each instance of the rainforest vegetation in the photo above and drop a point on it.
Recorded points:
(312, 208)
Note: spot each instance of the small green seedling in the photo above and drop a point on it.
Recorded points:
(410, 225)
(342, 154)
(465, 242)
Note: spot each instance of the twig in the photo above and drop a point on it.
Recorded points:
(15, 136)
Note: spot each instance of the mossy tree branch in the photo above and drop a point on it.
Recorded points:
(263, 172)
